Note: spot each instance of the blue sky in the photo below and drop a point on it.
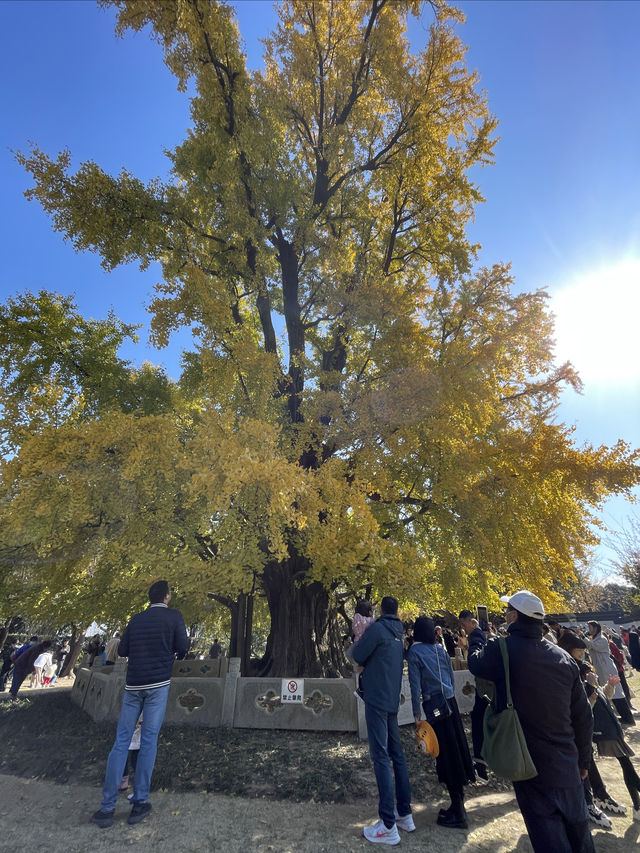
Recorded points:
(562, 206)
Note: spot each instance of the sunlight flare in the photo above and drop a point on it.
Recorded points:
(596, 324)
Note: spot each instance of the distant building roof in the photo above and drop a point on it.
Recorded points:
(617, 615)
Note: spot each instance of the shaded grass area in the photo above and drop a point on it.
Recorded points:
(48, 737)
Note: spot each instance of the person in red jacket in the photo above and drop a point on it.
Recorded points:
(618, 658)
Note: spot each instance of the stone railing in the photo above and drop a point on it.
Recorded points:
(212, 693)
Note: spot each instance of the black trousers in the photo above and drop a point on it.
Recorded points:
(477, 733)
(594, 783)
(631, 780)
(625, 686)
(557, 819)
(622, 707)
(4, 674)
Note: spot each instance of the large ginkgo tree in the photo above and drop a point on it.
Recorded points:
(362, 409)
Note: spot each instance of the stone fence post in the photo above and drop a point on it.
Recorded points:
(230, 685)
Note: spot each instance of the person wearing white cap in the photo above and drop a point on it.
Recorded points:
(556, 720)
(525, 602)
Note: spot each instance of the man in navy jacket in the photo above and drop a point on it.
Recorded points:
(151, 641)
(556, 721)
(380, 651)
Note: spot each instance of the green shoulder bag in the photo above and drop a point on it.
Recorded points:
(504, 747)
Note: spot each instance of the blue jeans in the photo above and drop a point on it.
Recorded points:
(385, 749)
(151, 704)
(556, 818)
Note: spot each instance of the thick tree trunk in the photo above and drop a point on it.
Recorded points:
(241, 630)
(245, 657)
(7, 628)
(241, 610)
(75, 647)
(304, 639)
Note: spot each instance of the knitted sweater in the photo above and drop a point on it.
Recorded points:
(151, 641)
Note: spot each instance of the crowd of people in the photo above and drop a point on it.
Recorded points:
(39, 660)
(566, 683)
(42, 661)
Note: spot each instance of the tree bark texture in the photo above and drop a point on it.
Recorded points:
(241, 630)
(75, 647)
(7, 628)
(304, 638)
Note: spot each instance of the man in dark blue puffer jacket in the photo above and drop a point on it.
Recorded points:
(380, 652)
(151, 641)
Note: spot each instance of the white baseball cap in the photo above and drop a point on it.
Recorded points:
(525, 602)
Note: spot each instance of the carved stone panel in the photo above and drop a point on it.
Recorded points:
(195, 701)
(80, 685)
(191, 700)
(318, 702)
(328, 705)
(269, 702)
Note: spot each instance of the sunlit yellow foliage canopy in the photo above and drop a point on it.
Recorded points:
(362, 406)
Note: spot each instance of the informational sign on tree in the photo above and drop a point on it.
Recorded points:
(292, 691)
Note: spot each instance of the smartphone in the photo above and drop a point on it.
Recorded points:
(483, 616)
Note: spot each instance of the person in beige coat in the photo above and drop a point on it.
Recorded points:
(604, 665)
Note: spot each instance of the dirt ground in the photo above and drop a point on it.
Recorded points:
(38, 815)
(43, 816)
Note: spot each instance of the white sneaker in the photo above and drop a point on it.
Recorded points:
(636, 814)
(405, 822)
(610, 805)
(379, 834)
(598, 817)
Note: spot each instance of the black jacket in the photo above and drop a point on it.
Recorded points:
(605, 721)
(634, 649)
(549, 697)
(24, 663)
(381, 652)
(151, 641)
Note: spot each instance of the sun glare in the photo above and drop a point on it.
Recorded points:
(597, 325)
